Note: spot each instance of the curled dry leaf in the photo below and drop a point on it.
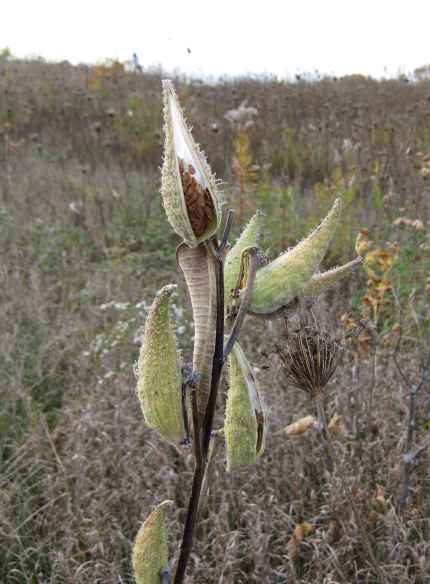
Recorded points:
(380, 500)
(334, 532)
(300, 426)
(301, 531)
(335, 425)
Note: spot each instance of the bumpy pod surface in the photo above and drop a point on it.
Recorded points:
(245, 420)
(159, 378)
(285, 278)
(150, 555)
(250, 238)
(190, 194)
(321, 282)
(198, 267)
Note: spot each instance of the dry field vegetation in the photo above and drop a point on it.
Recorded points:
(84, 245)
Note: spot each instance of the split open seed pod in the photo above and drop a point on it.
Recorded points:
(284, 279)
(190, 194)
(159, 378)
(245, 419)
(250, 238)
(150, 555)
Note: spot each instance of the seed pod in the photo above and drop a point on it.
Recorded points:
(150, 554)
(250, 238)
(284, 279)
(198, 267)
(189, 190)
(245, 419)
(159, 378)
(322, 282)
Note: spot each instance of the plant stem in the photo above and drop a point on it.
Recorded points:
(244, 305)
(365, 539)
(165, 577)
(202, 449)
(408, 457)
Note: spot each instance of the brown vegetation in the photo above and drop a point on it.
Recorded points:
(84, 245)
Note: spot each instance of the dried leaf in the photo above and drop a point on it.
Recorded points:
(300, 426)
(300, 532)
(335, 424)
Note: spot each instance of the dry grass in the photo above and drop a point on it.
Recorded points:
(83, 247)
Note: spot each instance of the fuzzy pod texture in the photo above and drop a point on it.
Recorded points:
(188, 187)
(250, 238)
(159, 377)
(285, 278)
(245, 419)
(198, 267)
(321, 282)
(150, 555)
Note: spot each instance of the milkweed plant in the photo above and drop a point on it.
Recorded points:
(225, 285)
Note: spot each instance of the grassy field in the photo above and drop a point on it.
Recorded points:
(84, 245)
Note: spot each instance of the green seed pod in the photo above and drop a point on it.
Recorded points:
(250, 238)
(245, 420)
(284, 279)
(159, 378)
(189, 189)
(322, 282)
(150, 555)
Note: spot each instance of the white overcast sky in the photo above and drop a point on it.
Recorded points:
(234, 37)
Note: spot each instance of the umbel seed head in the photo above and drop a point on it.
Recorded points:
(188, 187)
(309, 357)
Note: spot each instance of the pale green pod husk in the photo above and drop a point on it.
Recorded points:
(245, 420)
(285, 278)
(321, 282)
(150, 554)
(250, 238)
(159, 377)
(179, 143)
(198, 267)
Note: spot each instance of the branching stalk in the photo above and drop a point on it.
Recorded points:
(203, 437)
(244, 305)
(348, 493)
(410, 456)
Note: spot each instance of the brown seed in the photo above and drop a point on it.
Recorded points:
(197, 199)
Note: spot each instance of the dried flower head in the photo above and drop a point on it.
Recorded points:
(309, 357)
